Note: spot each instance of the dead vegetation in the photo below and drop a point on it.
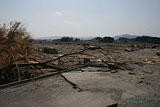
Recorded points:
(15, 44)
(15, 48)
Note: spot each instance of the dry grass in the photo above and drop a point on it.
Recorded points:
(15, 47)
(15, 44)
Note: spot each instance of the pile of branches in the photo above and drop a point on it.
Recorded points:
(15, 47)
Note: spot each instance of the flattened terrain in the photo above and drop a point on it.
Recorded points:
(95, 87)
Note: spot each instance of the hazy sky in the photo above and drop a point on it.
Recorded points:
(84, 17)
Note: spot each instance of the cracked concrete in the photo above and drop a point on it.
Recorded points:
(100, 89)
(73, 84)
(93, 82)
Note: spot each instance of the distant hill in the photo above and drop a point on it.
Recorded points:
(59, 37)
(125, 36)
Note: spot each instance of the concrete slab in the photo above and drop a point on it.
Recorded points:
(99, 90)
(95, 82)
(86, 99)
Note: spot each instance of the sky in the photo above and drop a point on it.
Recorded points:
(84, 18)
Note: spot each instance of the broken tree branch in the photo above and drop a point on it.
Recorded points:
(45, 62)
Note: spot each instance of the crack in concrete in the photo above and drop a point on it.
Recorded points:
(75, 86)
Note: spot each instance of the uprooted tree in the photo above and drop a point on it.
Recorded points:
(15, 46)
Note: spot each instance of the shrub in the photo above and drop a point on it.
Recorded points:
(15, 47)
(15, 44)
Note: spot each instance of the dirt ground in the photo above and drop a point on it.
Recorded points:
(117, 75)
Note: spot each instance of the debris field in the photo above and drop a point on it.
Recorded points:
(104, 75)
